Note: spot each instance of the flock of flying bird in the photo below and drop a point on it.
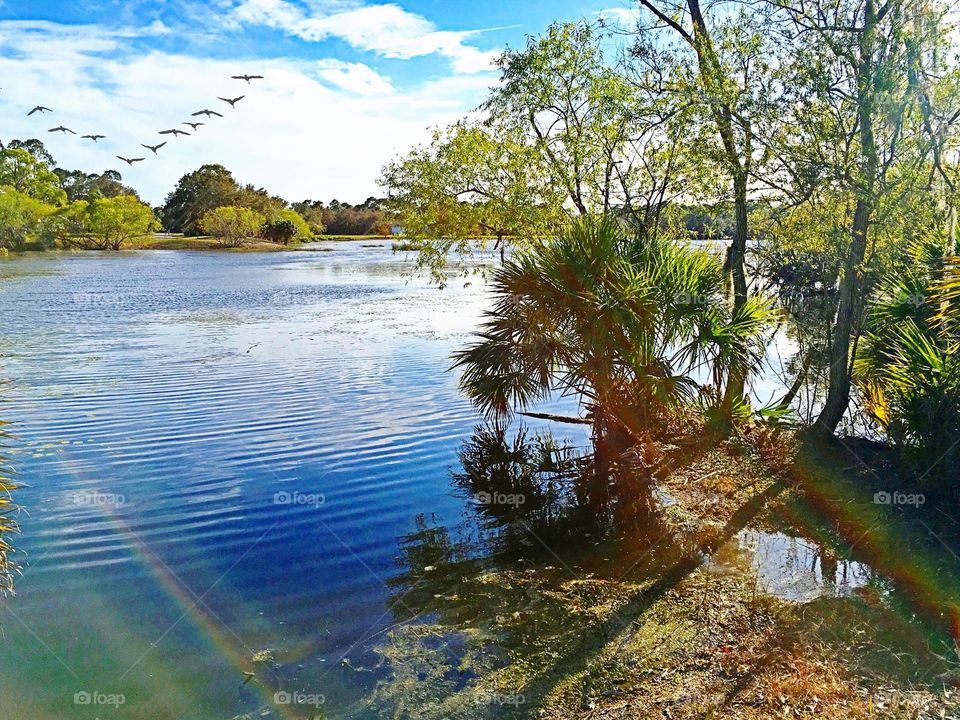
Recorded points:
(232, 102)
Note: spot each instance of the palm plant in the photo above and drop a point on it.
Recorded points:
(622, 322)
(908, 366)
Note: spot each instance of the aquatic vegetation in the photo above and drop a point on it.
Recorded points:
(8, 523)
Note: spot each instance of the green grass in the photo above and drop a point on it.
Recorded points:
(403, 245)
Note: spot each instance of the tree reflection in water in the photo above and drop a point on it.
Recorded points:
(523, 583)
(563, 574)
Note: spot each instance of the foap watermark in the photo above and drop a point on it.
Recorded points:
(500, 699)
(285, 697)
(883, 497)
(296, 497)
(691, 299)
(93, 498)
(499, 498)
(95, 697)
(911, 299)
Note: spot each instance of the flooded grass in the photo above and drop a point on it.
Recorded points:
(182, 242)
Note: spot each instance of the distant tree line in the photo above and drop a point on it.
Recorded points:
(340, 218)
(213, 186)
(43, 206)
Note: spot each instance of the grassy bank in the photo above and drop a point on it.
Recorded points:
(182, 242)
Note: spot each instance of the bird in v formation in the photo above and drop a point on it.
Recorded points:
(232, 102)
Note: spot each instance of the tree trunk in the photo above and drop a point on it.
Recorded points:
(951, 243)
(851, 289)
(736, 260)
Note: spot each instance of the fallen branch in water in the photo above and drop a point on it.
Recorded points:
(558, 418)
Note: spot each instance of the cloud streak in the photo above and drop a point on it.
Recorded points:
(387, 30)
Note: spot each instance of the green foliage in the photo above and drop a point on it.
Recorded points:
(79, 185)
(340, 218)
(197, 193)
(908, 366)
(563, 134)
(105, 223)
(232, 225)
(259, 200)
(472, 181)
(279, 231)
(301, 230)
(619, 320)
(22, 218)
(30, 175)
(312, 213)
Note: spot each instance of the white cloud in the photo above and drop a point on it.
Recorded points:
(388, 30)
(355, 77)
(307, 130)
(621, 16)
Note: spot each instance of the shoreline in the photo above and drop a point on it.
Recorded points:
(204, 244)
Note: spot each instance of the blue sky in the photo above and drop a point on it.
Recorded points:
(348, 84)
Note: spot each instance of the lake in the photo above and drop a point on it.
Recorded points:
(221, 451)
(231, 459)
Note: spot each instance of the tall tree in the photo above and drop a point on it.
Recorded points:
(31, 175)
(565, 133)
(852, 64)
(106, 223)
(206, 189)
(730, 62)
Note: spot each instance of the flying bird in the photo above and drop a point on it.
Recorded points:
(62, 129)
(248, 78)
(130, 161)
(95, 138)
(233, 102)
(173, 132)
(193, 125)
(208, 113)
(39, 109)
(153, 148)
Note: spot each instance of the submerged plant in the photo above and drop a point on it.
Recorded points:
(8, 526)
(624, 323)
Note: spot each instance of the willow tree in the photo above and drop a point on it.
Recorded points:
(564, 134)
(472, 181)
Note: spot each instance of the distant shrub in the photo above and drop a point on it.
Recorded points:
(232, 225)
(279, 231)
